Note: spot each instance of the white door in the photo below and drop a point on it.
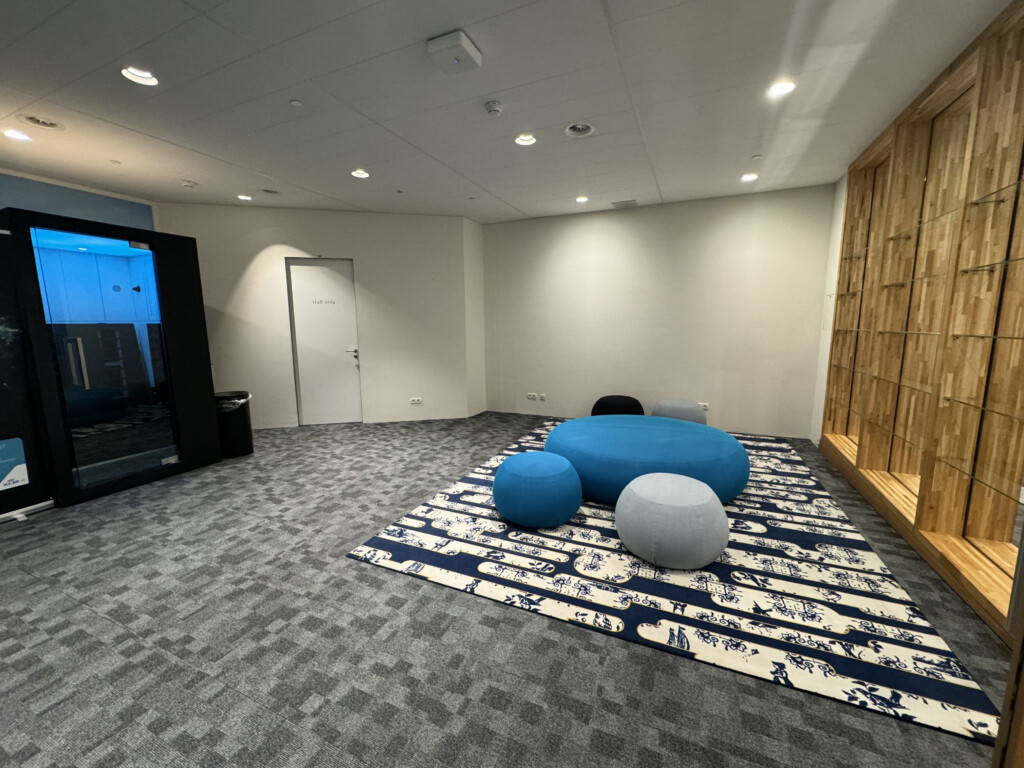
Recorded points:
(322, 298)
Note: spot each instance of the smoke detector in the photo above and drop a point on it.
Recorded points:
(494, 108)
(41, 122)
(578, 130)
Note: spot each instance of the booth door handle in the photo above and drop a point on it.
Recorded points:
(354, 351)
(76, 359)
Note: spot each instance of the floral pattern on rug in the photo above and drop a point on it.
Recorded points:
(797, 598)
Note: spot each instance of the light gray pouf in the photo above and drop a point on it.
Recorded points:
(685, 410)
(672, 521)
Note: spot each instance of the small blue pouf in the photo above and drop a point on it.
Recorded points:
(537, 489)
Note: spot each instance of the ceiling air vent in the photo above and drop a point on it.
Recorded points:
(41, 122)
(578, 130)
(625, 204)
(269, 191)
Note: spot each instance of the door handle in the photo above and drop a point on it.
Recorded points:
(354, 351)
(76, 354)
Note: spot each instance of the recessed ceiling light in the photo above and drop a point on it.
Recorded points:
(582, 199)
(140, 76)
(359, 173)
(295, 103)
(245, 197)
(526, 139)
(748, 177)
(83, 249)
(16, 135)
(781, 88)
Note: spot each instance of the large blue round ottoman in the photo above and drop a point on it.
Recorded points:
(537, 490)
(610, 451)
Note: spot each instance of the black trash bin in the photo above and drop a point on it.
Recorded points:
(234, 423)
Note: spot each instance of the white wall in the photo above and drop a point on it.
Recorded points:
(410, 297)
(476, 383)
(829, 305)
(715, 300)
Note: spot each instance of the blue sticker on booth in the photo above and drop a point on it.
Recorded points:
(13, 469)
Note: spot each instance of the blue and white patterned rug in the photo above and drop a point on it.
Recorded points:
(798, 597)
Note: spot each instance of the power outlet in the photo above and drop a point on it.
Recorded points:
(415, 401)
(704, 406)
(531, 395)
(542, 396)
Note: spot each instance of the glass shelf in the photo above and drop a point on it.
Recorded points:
(990, 267)
(958, 336)
(888, 429)
(975, 479)
(985, 409)
(1001, 195)
(911, 232)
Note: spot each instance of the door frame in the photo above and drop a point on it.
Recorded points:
(288, 261)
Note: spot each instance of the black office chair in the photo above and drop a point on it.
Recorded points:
(611, 404)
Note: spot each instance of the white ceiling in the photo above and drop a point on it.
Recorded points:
(674, 88)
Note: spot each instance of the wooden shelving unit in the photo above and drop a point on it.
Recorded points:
(924, 408)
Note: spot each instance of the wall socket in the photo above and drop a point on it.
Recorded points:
(415, 401)
(531, 395)
(542, 396)
(704, 406)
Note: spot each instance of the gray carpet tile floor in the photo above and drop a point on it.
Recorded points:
(212, 619)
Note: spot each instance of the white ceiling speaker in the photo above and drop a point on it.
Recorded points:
(454, 52)
(494, 108)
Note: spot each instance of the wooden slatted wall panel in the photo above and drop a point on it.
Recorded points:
(906, 193)
(847, 306)
(860, 390)
(977, 289)
(926, 285)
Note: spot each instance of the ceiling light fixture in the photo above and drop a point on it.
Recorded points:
(781, 88)
(582, 199)
(140, 76)
(16, 135)
(359, 173)
(245, 197)
(748, 177)
(295, 103)
(526, 139)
